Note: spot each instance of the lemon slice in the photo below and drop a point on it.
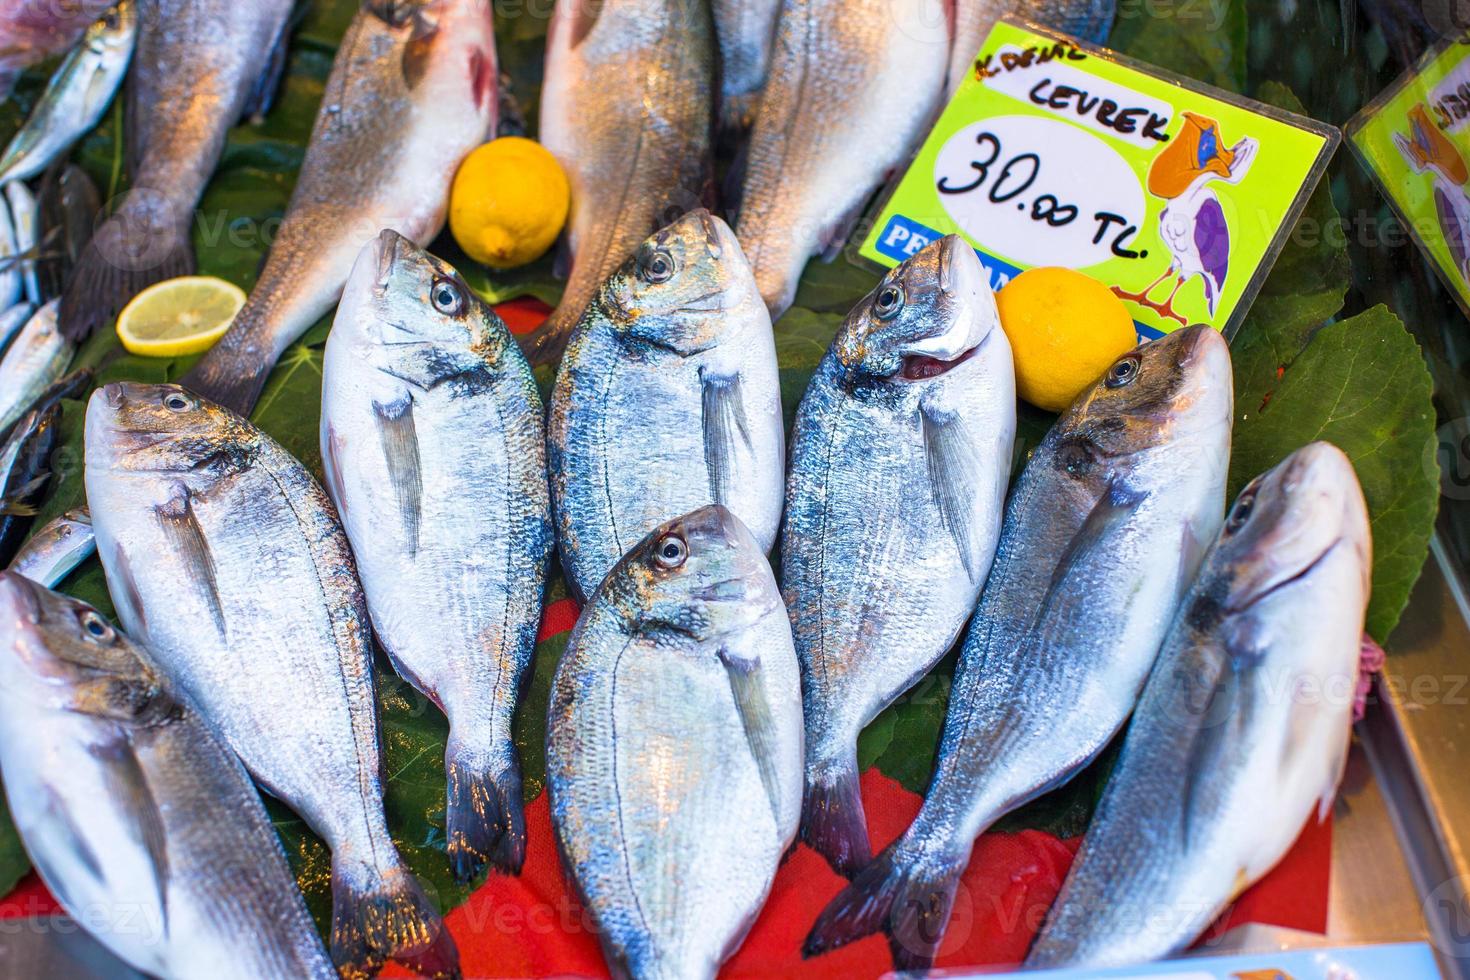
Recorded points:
(179, 316)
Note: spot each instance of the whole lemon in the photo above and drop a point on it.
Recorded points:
(508, 203)
(1065, 328)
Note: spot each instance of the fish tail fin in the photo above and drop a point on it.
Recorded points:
(908, 897)
(546, 343)
(484, 819)
(832, 819)
(381, 914)
(233, 372)
(125, 256)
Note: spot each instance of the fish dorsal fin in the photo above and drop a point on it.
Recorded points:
(953, 467)
(725, 431)
(400, 442)
(181, 526)
(752, 701)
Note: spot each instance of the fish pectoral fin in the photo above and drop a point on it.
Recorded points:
(181, 526)
(400, 442)
(725, 431)
(1087, 558)
(748, 687)
(128, 787)
(953, 466)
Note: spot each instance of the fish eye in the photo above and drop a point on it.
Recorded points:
(1241, 512)
(176, 401)
(1123, 371)
(670, 551)
(95, 627)
(447, 296)
(889, 301)
(657, 266)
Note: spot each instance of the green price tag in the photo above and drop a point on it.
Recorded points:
(1414, 140)
(1054, 152)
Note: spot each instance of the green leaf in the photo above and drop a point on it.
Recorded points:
(1205, 41)
(13, 861)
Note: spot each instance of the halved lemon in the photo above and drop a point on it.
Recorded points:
(179, 316)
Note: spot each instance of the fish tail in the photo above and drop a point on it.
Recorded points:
(127, 254)
(233, 372)
(832, 819)
(907, 897)
(545, 344)
(484, 819)
(383, 914)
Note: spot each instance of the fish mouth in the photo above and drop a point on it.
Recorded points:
(923, 367)
(1270, 588)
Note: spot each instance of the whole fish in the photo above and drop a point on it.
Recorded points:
(1102, 534)
(51, 554)
(200, 65)
(854, 85)
(25, 216)
(225, 557)
(12, 320)
(76, 97)
(745, 30)
(668, 399)
(673, 747)
(73, 385)
(627, 109)
(38, 356)
(133, 809)
(69, 204)
(412, 92)
(454, 556)
(900, 457)
(33, 30)
(26, 472)
(1090, 20)
(1243, 728)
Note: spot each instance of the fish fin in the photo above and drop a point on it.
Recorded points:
(68, 843)
(953, 465)
(724, 429)
(546, 344)
(263, 93)
(128, 787)
(1092, 543)
(753, 702)
(181, 527)
(100, 286)
(18, 504)
(400, 444)
(484, 820)
(378, 915)
(832, 819)
(909, 901)
(231, 373)
(123, 588)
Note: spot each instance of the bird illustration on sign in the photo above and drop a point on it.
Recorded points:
(1426, 149)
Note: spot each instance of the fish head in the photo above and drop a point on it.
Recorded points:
(680, 286)
(112, 33)
(62, 653)
(926, 316)
(164, 428)
(700, 576)
(411, 315)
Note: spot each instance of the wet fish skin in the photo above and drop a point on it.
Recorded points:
(33, 30)
(901, 453)
(853, 86)
(76, 97)
(412, 92)
(27, 472)
(226, 558)
(1224, 760)
(53, 552)
(25, 216)
(196, 67)
(1106, 525)
(674, 747)
(627, 109)
(70, 203)
(745, 30)
(12, 280)
(668, 398)
(452, 537)
(37, 357)
(1090, 20)
(11, 321)
(131, 806)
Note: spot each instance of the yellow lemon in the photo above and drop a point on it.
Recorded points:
(1065, 328)
(179, 316)
(508, 203)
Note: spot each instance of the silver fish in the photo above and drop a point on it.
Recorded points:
(12, 320)
(1242, 731)
(200, 65)
(452, 535)
(38, 356)
(25, 217)
(224, 556)
(1090, 20)
(854, 85)
(668, 398)
(62, 544)
(900, 457)
(1103, 532)
(27, 461)
(627, 109)
(412, 92)
(138, 817)
(12, 279)
(76, 97)
(745, 29)
(673, 747)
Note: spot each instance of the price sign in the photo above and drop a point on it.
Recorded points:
(1054, 152)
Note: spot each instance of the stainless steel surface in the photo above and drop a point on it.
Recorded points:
(1372, 896)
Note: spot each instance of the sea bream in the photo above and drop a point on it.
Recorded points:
(138, 817)
(198, 67)
(668, 398)
(1103, 533)
(412, 91)
(226, 559)
(853, 86)
(434, 445)
(673, 747)
(1242, 731)
(627, 109)
(900, 457)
